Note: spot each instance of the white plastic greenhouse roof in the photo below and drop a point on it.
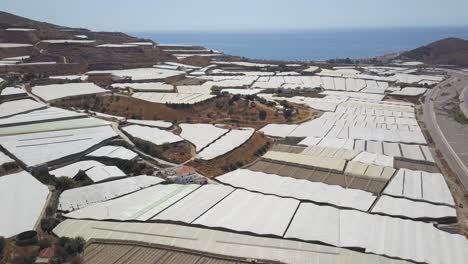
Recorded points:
(12, 91)
(104, 173)
(14, 45)
(73, 169)
(151, 86)
(78, 198)
(67, 41)
(195, 204)
(298, 189)
(393, 206)
(38, 148)
(116, 46)
(141, 74)
(376, 159)
(328, 142)
(173, 98)
(113, 152)
(230, 141)
(49, 114)
(420, 185)
(150, 123)
(326, 152)
(5, 159)
(152, 134)
(242, 91)
(314, 128)
(380, 134)
(218, 242)
(141, 205)
(369, 170)
(201, 135)
(410, 91)
(278, 130)
(406, 151)
(57, 91)
(335, 164)
(11, 108)
(53, 125)
(356, 95)
(69, 77)
(246, 211)
(23, 198)
(382, 235)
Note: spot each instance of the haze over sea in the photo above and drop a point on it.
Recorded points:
(312, 44)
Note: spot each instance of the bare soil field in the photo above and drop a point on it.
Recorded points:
(239, 157)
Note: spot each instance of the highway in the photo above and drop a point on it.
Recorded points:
(449, 136)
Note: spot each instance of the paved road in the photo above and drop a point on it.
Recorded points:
(449, 136)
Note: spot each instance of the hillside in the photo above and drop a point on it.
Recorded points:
(90, 57)
(452, 51)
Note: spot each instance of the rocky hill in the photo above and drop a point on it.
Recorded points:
(450, 51)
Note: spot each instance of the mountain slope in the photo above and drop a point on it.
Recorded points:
(452, 51)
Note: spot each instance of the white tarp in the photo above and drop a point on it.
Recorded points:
(298, 189)
(23, 198)
(78, 198)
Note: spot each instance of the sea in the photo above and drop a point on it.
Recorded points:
(310, 44)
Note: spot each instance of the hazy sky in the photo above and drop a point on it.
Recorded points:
(240, 15)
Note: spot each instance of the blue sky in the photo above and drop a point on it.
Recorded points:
(241, 15)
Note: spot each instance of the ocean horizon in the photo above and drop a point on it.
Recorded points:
(310, 44)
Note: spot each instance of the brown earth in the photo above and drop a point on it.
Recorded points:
(175, 153)
(103, 58)
(239, 157)
(197, 61)
(217, 110)
(451, 51)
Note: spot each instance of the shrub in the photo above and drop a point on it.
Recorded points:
(2, 244)
(65, 183)
(287, 113)
(232, 167)
(71, 246)
(233, 99)
(44, 243)
(44, 178)
(48, 224)
(55, 260)
(24, 260)
(262, 114)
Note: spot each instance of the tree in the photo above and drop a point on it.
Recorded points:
(70, 246)
(287, 113)
(65, 183)
(48, 224)
(262, 114)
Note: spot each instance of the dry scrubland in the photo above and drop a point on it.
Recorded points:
(217, 111)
